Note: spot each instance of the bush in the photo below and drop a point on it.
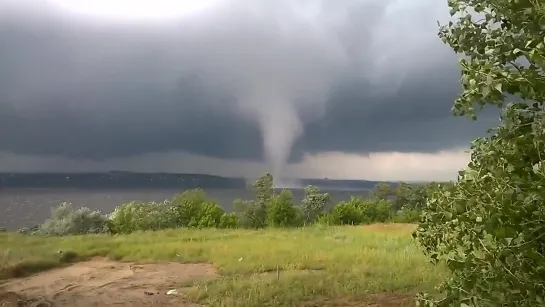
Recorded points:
(135, 216)
(229, 220)
(281, 212)
(407, 216)
(347, 213)
(187, 208)
(251, 214)
(361, 211)
(379, 211)
(67, 221)
(208, 215)
(193, 209)
(313, 204)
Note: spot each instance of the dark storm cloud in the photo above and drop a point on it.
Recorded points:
(417, 118)
(95, 89)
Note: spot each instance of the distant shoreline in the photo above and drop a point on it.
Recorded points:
(121, 189)
(42, 189)
(154, 181)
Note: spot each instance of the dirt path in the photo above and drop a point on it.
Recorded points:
(101, 282)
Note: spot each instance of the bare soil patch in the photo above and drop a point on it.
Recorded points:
(102, 282)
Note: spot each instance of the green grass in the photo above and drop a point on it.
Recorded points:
(323, 264)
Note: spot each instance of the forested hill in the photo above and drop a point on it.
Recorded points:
(118, 180)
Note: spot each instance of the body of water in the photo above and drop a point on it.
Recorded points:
(29, 207)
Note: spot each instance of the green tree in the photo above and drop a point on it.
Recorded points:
(416, 199)
(488, 226)
(186, 207)
(382, 191)
(402, 194)
(313, 204)
(253, 213)
(264, 189)
(281, 212)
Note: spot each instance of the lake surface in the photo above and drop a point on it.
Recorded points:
(28, 207)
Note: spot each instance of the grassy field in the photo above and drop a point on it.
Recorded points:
(322, 266)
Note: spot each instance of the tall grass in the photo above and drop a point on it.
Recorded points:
(313, 263)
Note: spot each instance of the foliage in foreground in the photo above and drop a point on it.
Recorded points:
(489, 227)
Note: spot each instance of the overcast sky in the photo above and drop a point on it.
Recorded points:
(356, 89)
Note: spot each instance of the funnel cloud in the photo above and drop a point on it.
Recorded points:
(239, 87)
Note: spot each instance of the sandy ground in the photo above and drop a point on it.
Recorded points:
(101, 282)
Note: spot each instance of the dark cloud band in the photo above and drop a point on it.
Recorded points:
(84, 89)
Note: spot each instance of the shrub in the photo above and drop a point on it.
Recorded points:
(187, 208)
(362, 211)
(250, 213)
(313, 204)
(347, 213)
(65, 220)
(281, 212)
(208, 215)
(229, 220)
(381, 211)
(407, 216)
(135, 216)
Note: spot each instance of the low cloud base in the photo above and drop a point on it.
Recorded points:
(381, 166)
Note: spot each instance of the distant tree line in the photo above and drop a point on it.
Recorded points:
(387, 203)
